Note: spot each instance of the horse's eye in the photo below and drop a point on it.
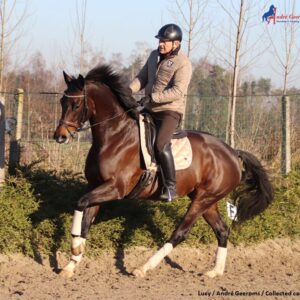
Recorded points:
(75, 106)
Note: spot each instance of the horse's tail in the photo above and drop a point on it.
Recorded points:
(256, 192)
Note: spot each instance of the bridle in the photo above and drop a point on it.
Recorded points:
(85, 111)
(84, 114)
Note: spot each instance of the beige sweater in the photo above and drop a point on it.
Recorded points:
(166, 83)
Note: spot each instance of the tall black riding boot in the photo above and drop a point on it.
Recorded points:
(168, 173)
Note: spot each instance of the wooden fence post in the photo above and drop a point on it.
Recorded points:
(286, 136)
(15, 148)
(2, 140)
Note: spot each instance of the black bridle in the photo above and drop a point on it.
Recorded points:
(83, 118)
(84, 115)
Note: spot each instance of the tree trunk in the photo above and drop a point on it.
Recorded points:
(235, 77)
(2, 141)
(286, 136)
(3, 25)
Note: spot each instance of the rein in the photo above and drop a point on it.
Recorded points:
(85, 112)
(100, 123)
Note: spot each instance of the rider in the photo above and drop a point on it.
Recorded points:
(165, 77)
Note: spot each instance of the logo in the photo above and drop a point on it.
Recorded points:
(170, 63)
(270, 15)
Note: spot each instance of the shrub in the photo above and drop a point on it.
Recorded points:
(36, 210)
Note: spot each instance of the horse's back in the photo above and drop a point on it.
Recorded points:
(213, 160)
(206, 139)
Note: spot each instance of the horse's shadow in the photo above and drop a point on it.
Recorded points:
(58, 196)
(138, 213)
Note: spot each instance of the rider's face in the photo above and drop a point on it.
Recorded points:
(165, 46)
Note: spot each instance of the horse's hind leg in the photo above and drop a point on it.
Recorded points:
(195, 210)
(214, 219)
(81, 224)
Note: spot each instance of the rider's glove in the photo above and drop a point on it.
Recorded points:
(145, 100)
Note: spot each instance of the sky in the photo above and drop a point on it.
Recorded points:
(116, 26)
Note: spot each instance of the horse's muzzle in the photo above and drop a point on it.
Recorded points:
(62, 140)
(61, 135)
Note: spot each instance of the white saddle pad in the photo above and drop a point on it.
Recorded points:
(181, 149)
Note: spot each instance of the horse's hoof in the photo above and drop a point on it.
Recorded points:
(139, 273)
(212, 274)
(66, 274)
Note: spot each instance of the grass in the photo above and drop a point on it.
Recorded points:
(36, 208)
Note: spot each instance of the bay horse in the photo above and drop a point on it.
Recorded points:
(114, 166)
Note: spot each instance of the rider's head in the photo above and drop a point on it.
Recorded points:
(170, 37)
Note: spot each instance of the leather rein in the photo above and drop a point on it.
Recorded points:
(81, 127)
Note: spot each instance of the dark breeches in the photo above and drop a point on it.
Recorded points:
(166, 123)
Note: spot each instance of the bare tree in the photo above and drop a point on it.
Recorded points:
(81, 21)
(192, 20)
(287, 55)
(81, 46)
(236, 66)
(9, 25)
(241, 53)
(286, 47)
(80, 40)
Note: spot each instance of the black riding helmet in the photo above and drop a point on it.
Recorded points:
(170, 32)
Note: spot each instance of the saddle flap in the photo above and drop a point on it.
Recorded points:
(181, 146)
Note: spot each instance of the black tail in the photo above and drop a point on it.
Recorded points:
(256, 192)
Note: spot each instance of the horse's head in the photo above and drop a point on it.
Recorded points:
(74, 109)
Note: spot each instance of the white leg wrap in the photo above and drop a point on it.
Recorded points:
(157, 257)
(221, 260)
(76, 225)
(220, 263)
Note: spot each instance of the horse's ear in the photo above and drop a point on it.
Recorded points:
(67, 78)
(80, 81)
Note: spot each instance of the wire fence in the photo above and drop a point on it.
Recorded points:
(259, 124)
(258, 128)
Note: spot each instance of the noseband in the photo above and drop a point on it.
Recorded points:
(67, 124)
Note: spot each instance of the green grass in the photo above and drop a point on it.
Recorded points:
(36, 208)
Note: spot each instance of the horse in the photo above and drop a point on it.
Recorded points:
(271, 13)
(114, 166)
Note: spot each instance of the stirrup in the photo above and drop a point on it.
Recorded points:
(168, 194)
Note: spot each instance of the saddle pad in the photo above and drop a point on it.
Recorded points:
(181, 149)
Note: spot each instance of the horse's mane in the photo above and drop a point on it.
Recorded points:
(106, 75)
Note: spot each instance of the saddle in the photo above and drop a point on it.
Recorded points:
(181, 149)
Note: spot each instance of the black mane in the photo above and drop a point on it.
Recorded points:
(106, 75)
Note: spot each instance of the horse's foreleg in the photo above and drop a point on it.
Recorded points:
(80, 226)
(214, 219)
(179, 235)
(87, 209)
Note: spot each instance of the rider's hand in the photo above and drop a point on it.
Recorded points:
(145, 100)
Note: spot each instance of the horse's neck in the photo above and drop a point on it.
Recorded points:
(105, 104)
(109, 118)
